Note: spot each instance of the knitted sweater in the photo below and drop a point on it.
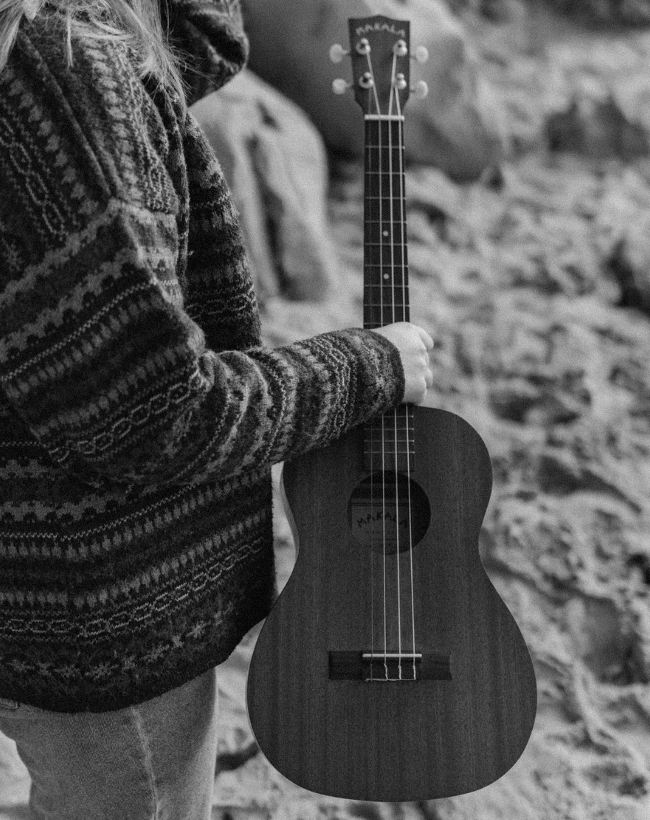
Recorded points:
(139, 412)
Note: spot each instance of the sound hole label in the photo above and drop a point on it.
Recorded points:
(388, 512)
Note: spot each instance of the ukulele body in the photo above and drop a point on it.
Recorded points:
(466, 718)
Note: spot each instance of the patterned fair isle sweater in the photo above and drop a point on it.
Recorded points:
(139, 413)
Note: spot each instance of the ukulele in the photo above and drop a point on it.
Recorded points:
(389, 668)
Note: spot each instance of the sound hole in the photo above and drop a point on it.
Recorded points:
(388, 511)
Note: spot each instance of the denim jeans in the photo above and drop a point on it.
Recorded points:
(152, 761)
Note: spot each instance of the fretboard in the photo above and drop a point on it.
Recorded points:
(388, 439)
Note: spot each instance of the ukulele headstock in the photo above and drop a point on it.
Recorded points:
(380, 53)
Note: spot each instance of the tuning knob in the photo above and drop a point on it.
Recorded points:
(340, 86)
(421, 54)
(337, 53)
(420, 90)
(363, 46)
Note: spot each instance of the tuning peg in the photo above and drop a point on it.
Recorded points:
(421, 54)
(363, 46)
(420, 90)
(337, 53)
(340, 86)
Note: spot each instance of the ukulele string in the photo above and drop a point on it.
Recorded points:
(372, 521)
(383, 454)
(400, 128)
(380, 151)
(394, 95)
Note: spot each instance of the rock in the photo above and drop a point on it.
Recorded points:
(605, 13)
(275, 163)
(596, 129)
(456, 128)
(632, 278)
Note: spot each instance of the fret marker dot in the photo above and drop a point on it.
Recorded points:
(385, 233)
(385, 276)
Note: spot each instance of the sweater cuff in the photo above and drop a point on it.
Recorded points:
(382, 369)
(372, 382)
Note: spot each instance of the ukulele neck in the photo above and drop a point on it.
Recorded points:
(388, 439)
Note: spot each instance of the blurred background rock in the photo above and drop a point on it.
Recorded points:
(506, 77)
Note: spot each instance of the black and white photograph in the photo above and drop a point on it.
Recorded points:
(325, 410)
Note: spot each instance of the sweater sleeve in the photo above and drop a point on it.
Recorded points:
(210, 38)
(114, 378)
(99, 356)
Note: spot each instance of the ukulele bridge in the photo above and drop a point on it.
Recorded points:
(388, 666)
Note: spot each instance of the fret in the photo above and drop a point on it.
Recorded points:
(390, 438)
(382, 295)
(392, 432)
(389, 307)
(387, 312)
(386, 177)
(389, 446)
(385, 146)
(398, 176)
(370, 323)
(382, 271)
(385, 306)
(391, 285)
(396, 296)
(386, 454)
(374, 296)
(386, 244)
(385, 286)
(385, 234)
(400, 434)
(389, 429)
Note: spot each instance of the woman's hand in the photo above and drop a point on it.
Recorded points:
(414, 344)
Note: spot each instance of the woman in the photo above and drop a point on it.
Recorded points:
(139, 413)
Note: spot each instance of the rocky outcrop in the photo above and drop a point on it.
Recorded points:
(275, 164)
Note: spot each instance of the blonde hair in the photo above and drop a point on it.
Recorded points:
(137, 23)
